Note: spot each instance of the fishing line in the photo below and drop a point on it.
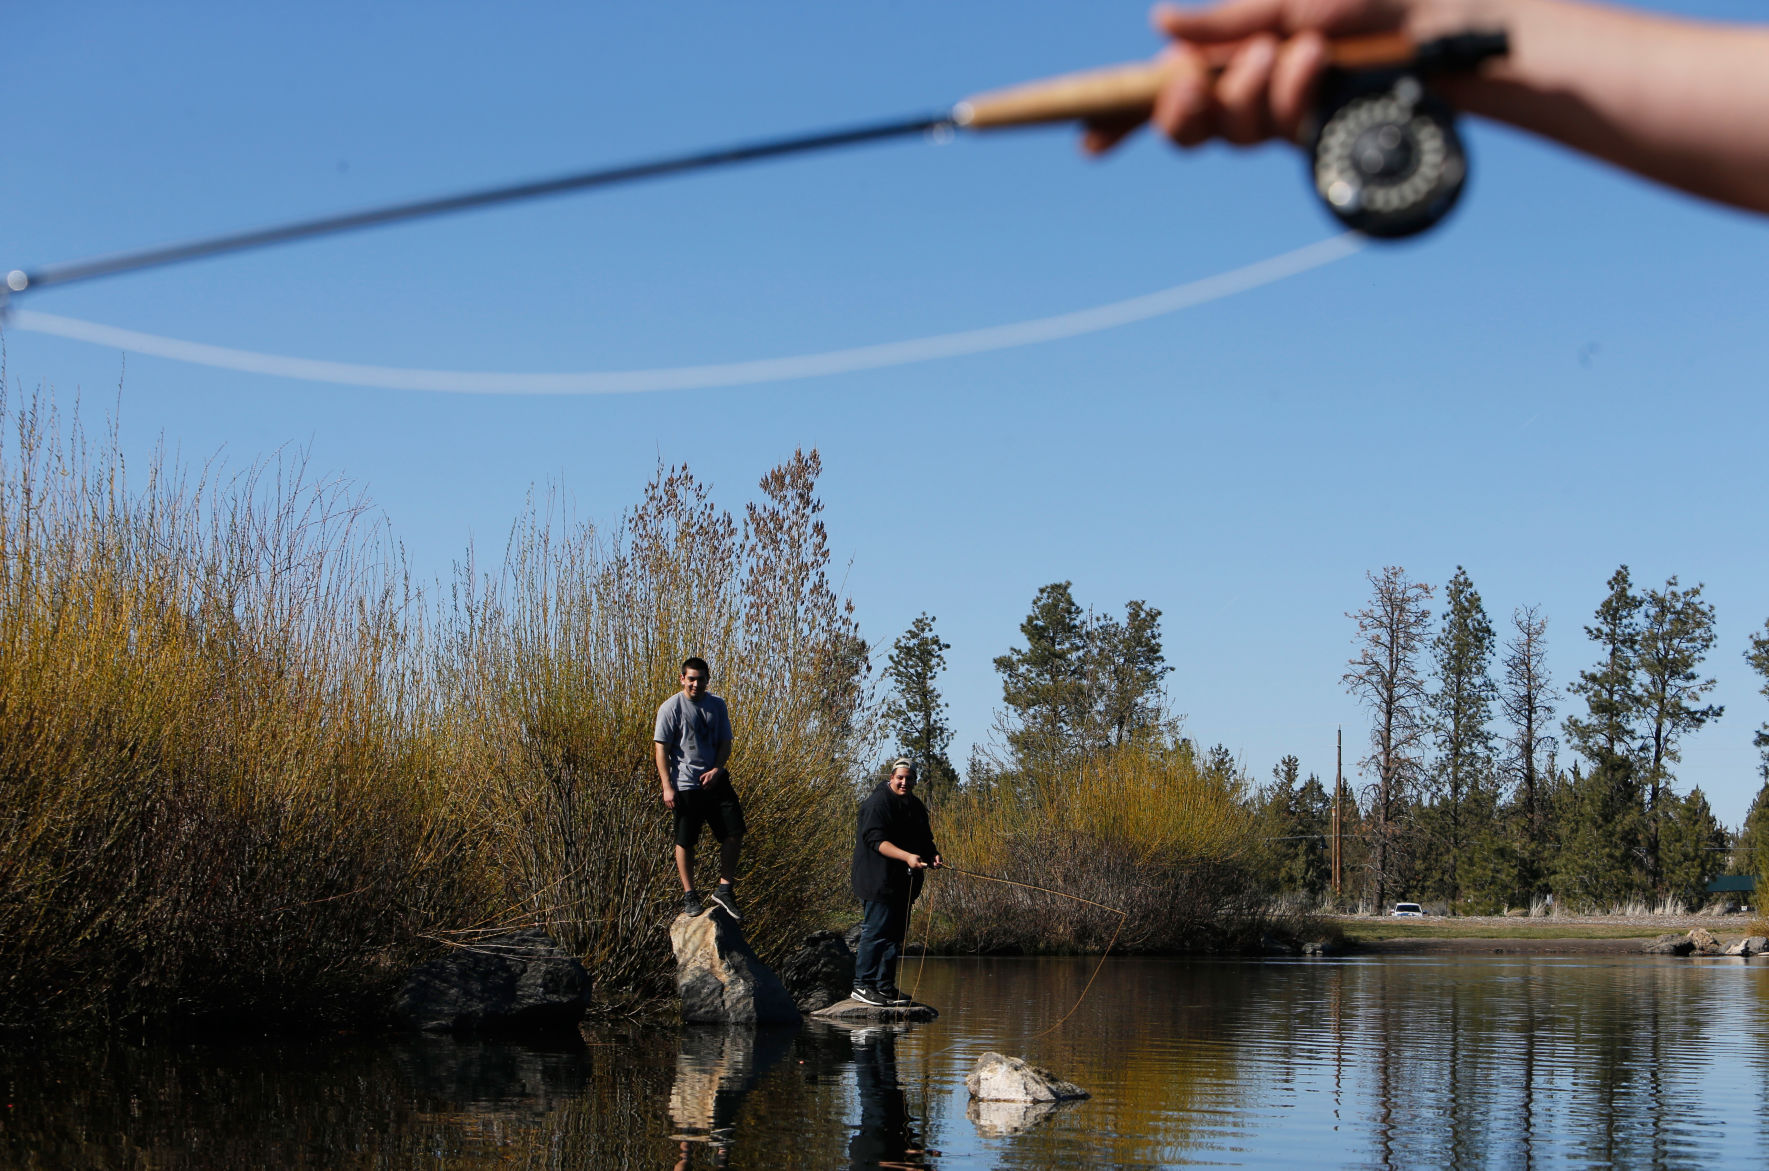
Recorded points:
(1032, 331)
(1123, 917)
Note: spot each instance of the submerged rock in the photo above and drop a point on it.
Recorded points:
(720, 980)
(849, 1009)
(523, 982)
(820, 972)
(999, 1078)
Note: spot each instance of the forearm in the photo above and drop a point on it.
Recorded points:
(663, 765)
(1682, 102)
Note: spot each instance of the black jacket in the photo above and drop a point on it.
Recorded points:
(901, 821)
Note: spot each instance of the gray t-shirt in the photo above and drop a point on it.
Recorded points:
(691, 733)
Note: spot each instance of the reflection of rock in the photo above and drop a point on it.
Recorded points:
(819, 973)
(1002, 1119)
(720, 979)
(998, 1078)
(522, 982)
(500, 1074)
(1670, 944)
(849, 1009)
(715, 1069)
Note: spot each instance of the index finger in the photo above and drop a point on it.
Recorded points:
(1229, 21)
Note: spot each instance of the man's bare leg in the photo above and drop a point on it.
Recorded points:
(685, 866)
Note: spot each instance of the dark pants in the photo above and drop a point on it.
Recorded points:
(881, 942)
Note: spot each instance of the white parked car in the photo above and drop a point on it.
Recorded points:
(1408, 911)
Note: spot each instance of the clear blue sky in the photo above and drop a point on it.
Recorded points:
(1568, 375)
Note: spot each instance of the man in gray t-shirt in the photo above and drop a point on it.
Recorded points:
(691, 743)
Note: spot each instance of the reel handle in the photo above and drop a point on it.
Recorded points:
(1128, 91)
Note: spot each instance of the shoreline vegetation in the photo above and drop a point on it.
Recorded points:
(250, 770)
(253, 771)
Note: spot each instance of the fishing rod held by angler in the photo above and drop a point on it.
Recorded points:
(1384, 154)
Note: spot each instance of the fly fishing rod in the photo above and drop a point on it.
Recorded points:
(1384, 154)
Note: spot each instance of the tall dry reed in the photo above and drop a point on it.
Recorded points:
(213, 793)
(1140, 827)
(552, 668)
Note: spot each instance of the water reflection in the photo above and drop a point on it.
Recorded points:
(716, 1068)
(1390, 1062)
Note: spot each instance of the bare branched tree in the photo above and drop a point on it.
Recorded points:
(1385, 677)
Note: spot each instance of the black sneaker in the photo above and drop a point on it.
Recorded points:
(895, 997)
(691, 903)
(724, 896)
(870, 996)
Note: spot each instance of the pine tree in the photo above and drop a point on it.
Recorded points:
(1125, 670)
(915, 709)
(1045, 683)
(1082, 683)
(1462, 709)
(1527, 700)
(1758, 657)
(1752, 854)
(1693, 847)
(1385, 676)
(1601, 845)
(1677, 631)
(1294, 817)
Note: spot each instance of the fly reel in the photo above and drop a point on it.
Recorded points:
(1386, 157)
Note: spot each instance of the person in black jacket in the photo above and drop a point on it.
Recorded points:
(893, 845)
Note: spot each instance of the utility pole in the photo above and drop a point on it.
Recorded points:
(1338, 788)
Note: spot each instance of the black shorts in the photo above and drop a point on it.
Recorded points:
(717, 808)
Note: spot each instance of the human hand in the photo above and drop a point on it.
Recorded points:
(938, 862)
(915, 862)
(1272, 54)
(712, 776)
(669, 797)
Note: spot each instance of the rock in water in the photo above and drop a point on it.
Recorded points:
(1704, 941)
(524, 982)
(819, 973)
(720, 979)
(997, 1078)
(1670, 944)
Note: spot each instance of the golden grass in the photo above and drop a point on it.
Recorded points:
(1141, 828)
(245, 767)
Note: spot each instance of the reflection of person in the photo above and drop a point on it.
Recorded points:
(892, 846)
(1683, 102)
(886, 1135)
(691, 743)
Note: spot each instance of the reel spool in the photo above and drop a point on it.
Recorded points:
(1386, 157)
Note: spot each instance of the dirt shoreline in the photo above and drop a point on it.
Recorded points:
(1507, 935)
(1478, 945)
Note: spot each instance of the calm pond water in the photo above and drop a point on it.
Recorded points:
(1463, 1061)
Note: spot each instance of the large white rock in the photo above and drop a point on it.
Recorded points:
(998, 1078)
(719, 978)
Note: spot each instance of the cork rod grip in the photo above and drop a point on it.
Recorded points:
(1128, 91)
